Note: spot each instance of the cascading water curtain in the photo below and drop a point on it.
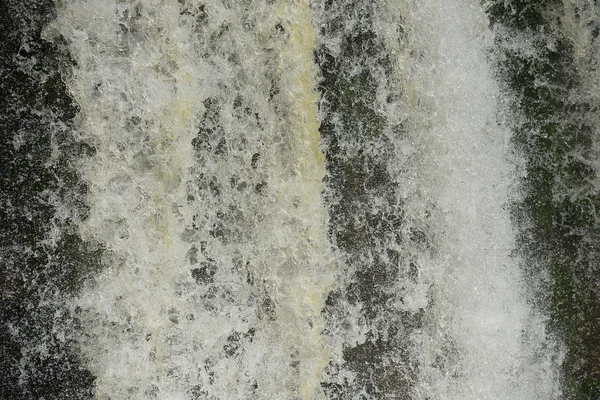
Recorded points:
(293, 199)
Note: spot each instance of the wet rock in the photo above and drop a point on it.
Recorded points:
(205, 273)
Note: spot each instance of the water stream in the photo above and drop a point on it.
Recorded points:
(283, 199)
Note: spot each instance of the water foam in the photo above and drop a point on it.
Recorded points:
(483, 339)
(205, 190)
(206, 194)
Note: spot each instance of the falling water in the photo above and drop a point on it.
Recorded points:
(276, 199)
(205, 191)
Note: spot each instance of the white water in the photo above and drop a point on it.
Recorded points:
(144, 72)
(244, 209)
(478, 302)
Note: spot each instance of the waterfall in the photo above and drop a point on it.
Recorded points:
(293, 199)
(205, 191)
(481, 304)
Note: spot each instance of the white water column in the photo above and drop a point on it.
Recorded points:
(205, 192)
(482, 340)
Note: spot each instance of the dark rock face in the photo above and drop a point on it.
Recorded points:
(366, 220)
(558, 216)
(36, 334)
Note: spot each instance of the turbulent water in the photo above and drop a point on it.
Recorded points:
(284, 199)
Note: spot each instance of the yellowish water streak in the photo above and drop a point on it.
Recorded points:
(300, 308)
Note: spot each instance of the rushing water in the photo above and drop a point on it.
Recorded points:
(283, 199)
